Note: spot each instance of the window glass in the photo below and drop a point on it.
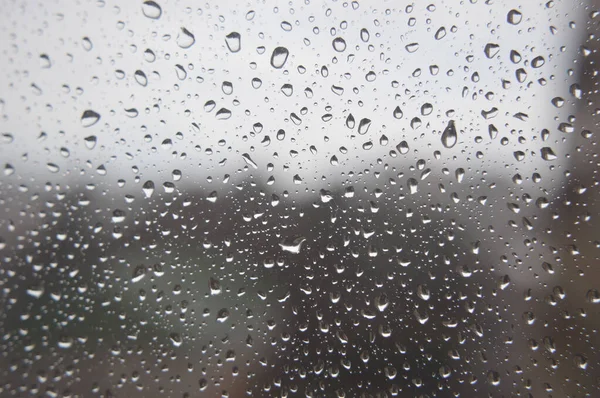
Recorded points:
(299, 198)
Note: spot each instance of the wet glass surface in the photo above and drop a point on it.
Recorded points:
(311, 199)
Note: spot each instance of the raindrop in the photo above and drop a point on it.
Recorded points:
(548, 153)
(398, 113)
(89, 118)
(514, 17)
(364, 35)
(449, 136)
(249, 160)
(148, 188)
(350, 122)
(185, 38)
(411, 48)
(538, 62)
(491, 50)
(402, 147)
(440, 34)
(339, 44)
(223, 114)
(279, 57)
(151, 10)
(90, 142)
(141, 78)
(363, 126)
(412, 185)
(287, 90)
(233, 42)
(87, 44)
(292, 245)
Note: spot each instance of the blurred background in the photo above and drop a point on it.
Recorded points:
(317, 199)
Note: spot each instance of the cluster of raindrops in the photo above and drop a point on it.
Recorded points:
(343, 199)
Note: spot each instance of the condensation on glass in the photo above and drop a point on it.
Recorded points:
(303, 198)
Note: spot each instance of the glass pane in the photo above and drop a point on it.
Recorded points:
(304, 198)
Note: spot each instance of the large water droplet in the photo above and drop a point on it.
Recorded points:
(185, 38)
(141, 78)
(491, 50)
(412, 47)
(279, 57)
(151, 9)
(89, 118)
(514, 17)
(449, 136)
(339, 44)
(363, 126)
(233, 42)
(292, 245)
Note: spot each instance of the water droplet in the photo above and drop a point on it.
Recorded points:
(148, 188)
(371, 76)
(412, 185)
(185, 38)
(491, 50)
(363, 126)
(350, 122)
(90, 142)
(89, 118)
(222, 315)
(249, 160)
(440, 34)
(215, 286)
(515, 57)
(514, 17)
(339, 44)
(548, 153)
(364, 35)
(538, 62)
(279, 57)
(141, 78)
(426, 109)
(292, 245)
(402, 147)
(398, 114)
(223, 114)
(449, 136)
(86, 43)
(412, 47)
(287, 90)
(233, 42)
(151, 9)
(558, 102)
(227, 88)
